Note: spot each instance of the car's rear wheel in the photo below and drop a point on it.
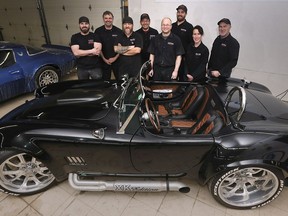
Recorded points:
(45, 76)
(247, 187)
(23, 174)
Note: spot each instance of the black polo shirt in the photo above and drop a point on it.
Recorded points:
(224, 55)
(196, 60)
(184, 31)
(129, 64)
(165, 50)
(147, 36)
(107, 37)
(86, 42)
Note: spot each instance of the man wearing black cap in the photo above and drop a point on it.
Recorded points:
(86, 47)
(107, 33)
(129, 45)
(147, 33)
(224, 53)
(182, 29)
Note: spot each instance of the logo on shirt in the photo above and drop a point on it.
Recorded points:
(152, 36)
(223, 45)
(90, 41)
(184, 30)
(114, 35)
(132, 40)
(170, 43)
(197, 54)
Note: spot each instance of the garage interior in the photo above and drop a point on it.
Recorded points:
(261, 28)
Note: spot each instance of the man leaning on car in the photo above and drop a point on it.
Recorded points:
(86, 47)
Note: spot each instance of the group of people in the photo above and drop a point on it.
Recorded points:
(177, 53)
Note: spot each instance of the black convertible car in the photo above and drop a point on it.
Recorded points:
(147, 136)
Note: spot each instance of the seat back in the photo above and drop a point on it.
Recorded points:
(211, 123)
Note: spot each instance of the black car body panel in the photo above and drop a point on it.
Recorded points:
(95, 128)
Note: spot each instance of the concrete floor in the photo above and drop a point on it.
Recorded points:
(64, 200)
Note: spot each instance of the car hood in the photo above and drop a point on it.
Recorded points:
(71, 105)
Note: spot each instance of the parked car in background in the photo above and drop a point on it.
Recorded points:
(25, 68)
(149, 136)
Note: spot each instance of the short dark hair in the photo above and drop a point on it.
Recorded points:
(107, 13)
(199, 28)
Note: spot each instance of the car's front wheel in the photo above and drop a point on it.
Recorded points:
(45, 76)
(247, 187)
(23, 174)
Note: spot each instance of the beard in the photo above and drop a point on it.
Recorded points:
(84, 30)
(180, 18)
(128, 31)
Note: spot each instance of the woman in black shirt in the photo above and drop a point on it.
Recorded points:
(196, 57)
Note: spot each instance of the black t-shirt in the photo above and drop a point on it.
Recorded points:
(86, 42)
(224, 55)
(184, 31)
(107, 37)
(165, 50)
(196, 60)
(147, 36)
(129, 64)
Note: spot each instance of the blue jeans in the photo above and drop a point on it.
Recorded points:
(94, 73)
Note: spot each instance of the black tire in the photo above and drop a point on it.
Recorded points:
(45, 76)
(23, 174)
(247, 187)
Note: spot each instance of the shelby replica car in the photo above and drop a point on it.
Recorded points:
(147, 136)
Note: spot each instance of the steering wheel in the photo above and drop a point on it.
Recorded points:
(242, 102)
(152, 114)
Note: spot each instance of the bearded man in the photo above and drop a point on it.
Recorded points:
(86, 47)
(183, 29)
(129, 45)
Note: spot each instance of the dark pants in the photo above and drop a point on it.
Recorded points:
(94, 73)
(107, 70)
(181, 72)
(162, 73)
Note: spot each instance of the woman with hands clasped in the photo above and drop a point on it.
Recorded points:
(196, 57)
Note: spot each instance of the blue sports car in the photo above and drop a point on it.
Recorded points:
(24, 68)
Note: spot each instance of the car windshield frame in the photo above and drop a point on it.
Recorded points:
(131, 98)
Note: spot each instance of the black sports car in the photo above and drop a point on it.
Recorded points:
(148, 136)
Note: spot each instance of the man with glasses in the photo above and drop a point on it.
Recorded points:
(165, 53)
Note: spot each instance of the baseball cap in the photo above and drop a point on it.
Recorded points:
(144, 16)
(182, 7)
(83, 19)
(224, 20)
(127, 20)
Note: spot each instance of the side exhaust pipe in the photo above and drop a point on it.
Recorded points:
(126, 185)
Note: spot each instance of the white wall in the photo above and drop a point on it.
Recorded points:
(261, 27)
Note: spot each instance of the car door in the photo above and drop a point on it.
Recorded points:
(12, 80)
(152, 153)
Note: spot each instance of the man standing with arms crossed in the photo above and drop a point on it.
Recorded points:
(86, 47)
(129, 45)
(108, 33)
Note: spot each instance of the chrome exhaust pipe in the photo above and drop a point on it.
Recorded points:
(126, 185)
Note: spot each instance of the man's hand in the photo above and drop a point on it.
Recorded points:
(174, 75)
(189, 77)
(215, 73)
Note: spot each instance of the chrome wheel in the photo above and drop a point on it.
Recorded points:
(24, 174)
(46, 75)
(247, 187)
